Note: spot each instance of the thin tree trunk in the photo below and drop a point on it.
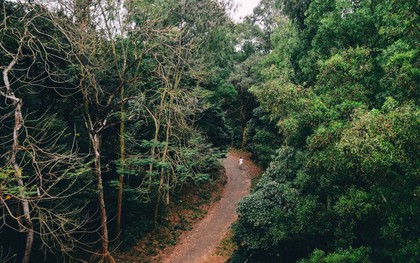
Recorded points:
(121, 177)
(168, 192)
(243, 127)
(162, 177)
(155, 140)
(104, 227)
(28, 226)
(243, 138)
(162, 172)
(156, 120)
(328, 202)
(29, 242)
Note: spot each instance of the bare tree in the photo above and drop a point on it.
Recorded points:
(101, 44)
(36, 169)
(26, 224)
(174, 103)
(106, 56)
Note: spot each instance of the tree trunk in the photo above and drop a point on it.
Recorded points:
(155, 140)
(328, 202)
(243, 127)
(156, 213)
(168, 193)
(156, 121)
(104, 227)
(162, 172)
(243, 138)
(27, 225)
(29, 242)
(162, 178)
(121, 177)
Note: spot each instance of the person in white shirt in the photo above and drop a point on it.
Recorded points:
(241, 162)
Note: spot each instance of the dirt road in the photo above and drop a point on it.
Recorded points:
(198, 245)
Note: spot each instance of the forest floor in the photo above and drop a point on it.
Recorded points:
(198, 227)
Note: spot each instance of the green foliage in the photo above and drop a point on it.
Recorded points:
(340, 86)
(137, 215)
(214, 125)
(400, 62)
(325, 93)
(200, 161)
(173, 60)
(341, 256)
(261, 145)
(355, 203)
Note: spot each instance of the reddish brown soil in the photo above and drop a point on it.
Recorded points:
(212, 220)
(199, 244)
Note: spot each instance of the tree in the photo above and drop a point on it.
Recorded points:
(101, 74)
(347, 136)
(243, 78)
(37, 173)
(175, 104)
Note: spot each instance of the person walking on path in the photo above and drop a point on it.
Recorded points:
(241, 162)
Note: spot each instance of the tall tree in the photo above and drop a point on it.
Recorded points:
(37, 171)
(346, 168)
(101, 68)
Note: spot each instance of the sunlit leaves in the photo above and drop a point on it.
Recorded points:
(348, 255)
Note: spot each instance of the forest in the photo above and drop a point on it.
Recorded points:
(110, 108)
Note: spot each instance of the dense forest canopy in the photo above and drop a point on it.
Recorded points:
(109, 108)
(338, 96)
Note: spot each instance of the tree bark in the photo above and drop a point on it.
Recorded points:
(104, 227)
(153, 151)
(162, 172)
(121, 177)
(243, 127)
(29, 243)
(28, 226)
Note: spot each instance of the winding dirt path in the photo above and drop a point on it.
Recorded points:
(199, 244)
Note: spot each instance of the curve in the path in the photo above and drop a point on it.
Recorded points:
(202, 240)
